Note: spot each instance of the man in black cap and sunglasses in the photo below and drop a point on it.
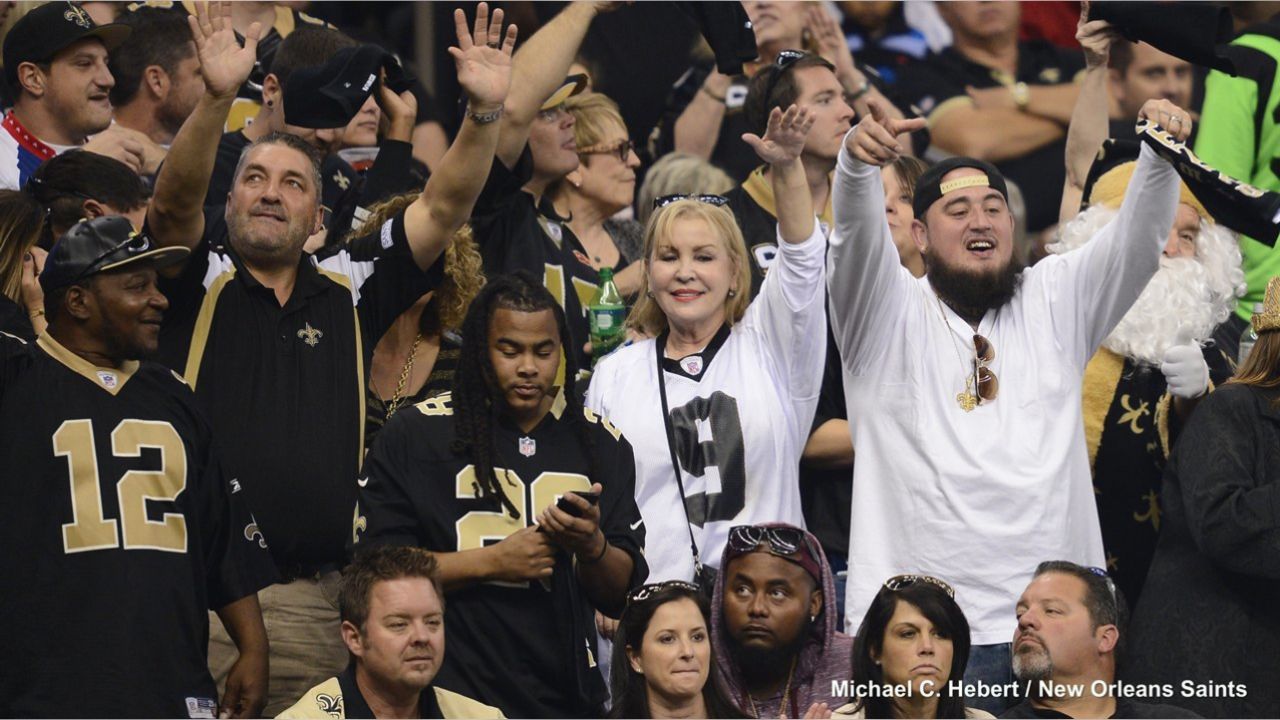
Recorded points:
(964, 386)
(773, 623)
(128, 527)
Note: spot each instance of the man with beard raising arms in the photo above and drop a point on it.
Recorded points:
(1151, 371)
(964, 385)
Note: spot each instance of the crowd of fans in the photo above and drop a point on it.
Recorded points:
(951, 388)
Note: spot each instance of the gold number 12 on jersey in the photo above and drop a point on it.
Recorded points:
(89, 528)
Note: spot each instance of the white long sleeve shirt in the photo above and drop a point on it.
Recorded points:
(745, 414)
(976, 498)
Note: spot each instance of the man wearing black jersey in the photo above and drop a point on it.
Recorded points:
(123, 530)
(276, 341)
(526, 498)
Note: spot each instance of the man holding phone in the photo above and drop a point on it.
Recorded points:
(527, 501)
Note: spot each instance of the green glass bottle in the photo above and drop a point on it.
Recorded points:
(607, 315)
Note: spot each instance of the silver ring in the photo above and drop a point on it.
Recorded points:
(494, 45)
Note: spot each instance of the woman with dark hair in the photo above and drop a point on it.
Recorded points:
(662, 655)
(21, 301)
(914, 634)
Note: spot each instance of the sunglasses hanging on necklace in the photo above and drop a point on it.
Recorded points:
(980, 384)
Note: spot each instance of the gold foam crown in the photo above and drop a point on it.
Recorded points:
(1269, 319)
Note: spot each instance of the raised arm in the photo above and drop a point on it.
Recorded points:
(1089, 124)
(865, 279)
(780, 147)
(485, 73)
(176, 214)
(697, 128)
(1098, 283)
(540, 68)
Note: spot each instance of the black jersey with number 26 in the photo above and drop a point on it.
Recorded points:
(120, 533)
(527, 648)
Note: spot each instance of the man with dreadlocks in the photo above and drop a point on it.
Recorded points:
(528, 500)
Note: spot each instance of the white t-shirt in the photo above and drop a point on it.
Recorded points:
(976, 498)
(745, 418)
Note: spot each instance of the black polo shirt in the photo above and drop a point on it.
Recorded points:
(943, 77)
(285, 386)
(515, 232)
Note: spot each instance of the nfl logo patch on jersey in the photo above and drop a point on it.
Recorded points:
(528, 446)
(692, 364)
(198, 707)
(108, 379)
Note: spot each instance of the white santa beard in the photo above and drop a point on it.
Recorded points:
(1177, 298)
(1193, 293)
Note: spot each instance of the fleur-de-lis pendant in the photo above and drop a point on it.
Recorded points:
(967, 401)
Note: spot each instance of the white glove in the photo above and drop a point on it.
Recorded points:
(1184, 368)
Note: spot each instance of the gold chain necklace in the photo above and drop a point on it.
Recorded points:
(786, 690)
(397, 398)
(967, 399)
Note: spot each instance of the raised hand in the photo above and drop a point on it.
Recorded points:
(874, 140)
(1168, 116)
(400, 111)
(832, 45)
(1095, 37)
(784, 136)
(483, 58)
(224, 64)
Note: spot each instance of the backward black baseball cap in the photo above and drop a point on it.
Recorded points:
(47, 29)
(930, 188)
(98, 245)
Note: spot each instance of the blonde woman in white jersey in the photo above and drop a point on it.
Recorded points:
(740, 377)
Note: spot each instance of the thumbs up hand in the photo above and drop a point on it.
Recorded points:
(1184, 367)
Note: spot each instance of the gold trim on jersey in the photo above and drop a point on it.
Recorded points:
(1101, 378)
(110, 379)
(761, 191)
(345, 282)
(442, 405)
(204, 321)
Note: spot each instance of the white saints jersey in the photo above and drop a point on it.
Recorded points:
(741, 412)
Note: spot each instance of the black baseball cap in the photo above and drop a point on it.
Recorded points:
(47, 29)
(930, 188)
(329, 95)
(98, 245)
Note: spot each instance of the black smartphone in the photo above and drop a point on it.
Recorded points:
(565, 505)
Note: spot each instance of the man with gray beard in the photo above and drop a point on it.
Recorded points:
(1142, 385)
(1065, 648)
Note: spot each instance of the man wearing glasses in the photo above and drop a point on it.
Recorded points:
(1065, 648)
(964, 386)
(777, 648)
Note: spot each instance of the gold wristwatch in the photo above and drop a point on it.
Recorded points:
(1021, 95)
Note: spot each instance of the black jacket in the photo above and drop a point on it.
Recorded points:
(1208, 612)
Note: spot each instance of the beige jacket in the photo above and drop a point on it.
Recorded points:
(324, 702)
